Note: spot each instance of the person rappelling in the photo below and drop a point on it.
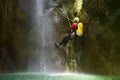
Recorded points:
(76, 29)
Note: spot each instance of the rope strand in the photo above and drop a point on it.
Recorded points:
(66, 13)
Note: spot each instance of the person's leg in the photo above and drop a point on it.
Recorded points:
(72, 35)
(65, 40)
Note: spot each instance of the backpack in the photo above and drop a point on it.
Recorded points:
(79, 30)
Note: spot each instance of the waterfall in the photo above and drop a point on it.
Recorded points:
(78, 5)
(43, 56)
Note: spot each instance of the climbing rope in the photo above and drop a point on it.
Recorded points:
(60, 12)
(66, 15)
(65, 12)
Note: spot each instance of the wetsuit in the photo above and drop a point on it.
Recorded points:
(65, 40)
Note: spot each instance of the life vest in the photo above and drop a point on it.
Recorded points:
(79, 30)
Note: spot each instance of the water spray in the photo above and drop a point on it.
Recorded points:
(78, 6)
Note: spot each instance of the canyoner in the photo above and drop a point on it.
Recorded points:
(76, 29)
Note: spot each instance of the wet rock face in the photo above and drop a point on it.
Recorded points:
(101, 56)
(13, 30)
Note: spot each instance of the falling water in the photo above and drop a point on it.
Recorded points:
(43, 57)
(78, 5)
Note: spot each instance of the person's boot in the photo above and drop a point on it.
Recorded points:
(59, 45)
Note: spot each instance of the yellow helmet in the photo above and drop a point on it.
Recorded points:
(76, 19)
